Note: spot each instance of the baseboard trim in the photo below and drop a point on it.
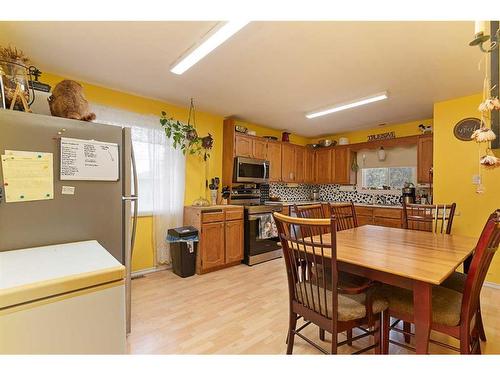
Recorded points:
(491, 285)
(149, 270)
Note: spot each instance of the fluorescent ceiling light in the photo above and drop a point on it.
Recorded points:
(215, 37)
(351, 104)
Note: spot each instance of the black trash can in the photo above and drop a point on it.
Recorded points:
(183, 244)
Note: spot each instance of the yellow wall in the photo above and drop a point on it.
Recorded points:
(402, 130)
(143, 256)
(455, 162)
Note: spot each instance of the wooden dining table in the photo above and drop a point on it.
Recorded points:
(409, 259)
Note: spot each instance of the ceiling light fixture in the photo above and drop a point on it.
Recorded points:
(214, 38)
(351, 104)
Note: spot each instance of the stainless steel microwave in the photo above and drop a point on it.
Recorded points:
(251, 170)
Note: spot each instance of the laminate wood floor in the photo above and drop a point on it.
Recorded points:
(242, 310)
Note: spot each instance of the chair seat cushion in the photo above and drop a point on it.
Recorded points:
(456, 281)
(446, 303)
(350, 307)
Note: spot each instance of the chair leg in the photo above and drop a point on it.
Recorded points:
(465, 343)
(334, 342)
(378, 335)
(349, 337)
(322, 334)
(480, 326)
(291, 332)
(386, 327)
(407, 328)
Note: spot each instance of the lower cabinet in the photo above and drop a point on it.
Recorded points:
(234, 241)
(220, 236)
(384, 217)
(211, 245)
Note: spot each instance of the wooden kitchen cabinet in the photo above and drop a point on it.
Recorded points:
(324, 166)
(243, 146)
(385, 217)
(293, 159)
(424, 158)
(300, 158)
(343, 172)
(221, 235)
(274, 157)
(234, 241)
(287, 162)
(309, 166)
(259, 149)
(211, 245)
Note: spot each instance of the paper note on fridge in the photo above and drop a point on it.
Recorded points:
(89, 160)
(28, 176)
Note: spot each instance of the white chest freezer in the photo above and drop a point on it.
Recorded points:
(62, 299)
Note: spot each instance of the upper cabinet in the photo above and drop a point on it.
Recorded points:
(424, 158)
(259, 148)
(274, 157)
(288, 173)
(309, 166)
(293, 163)
(250, 147)
(324, 166)
(344, 175)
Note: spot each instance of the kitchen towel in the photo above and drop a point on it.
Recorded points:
(267, 227)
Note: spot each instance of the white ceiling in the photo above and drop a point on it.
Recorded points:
(269, 73)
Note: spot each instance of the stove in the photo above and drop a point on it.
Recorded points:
(258, 249)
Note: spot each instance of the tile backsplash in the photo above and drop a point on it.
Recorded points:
(302, 192)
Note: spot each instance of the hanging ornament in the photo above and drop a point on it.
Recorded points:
(490, 161)
(483, 134)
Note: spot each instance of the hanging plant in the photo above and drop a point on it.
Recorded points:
(185, 136)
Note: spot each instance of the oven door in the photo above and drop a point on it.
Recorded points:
(251, 170)
(258, 250)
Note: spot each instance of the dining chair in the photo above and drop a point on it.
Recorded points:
(453, 313)
(334, 310)
(345, 213)
(438, 219)
(345, 218)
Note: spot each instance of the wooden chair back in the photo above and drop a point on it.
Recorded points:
(437, 218)
(345, 215)
(308, 294)
(313, 211)
(485, 249)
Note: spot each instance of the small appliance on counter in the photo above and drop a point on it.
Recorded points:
(408, 193)
(315, 194)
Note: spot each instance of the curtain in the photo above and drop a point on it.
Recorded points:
(161, 173)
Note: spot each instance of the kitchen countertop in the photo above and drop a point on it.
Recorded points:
(301, 203)
(216, 207)
(39, 272)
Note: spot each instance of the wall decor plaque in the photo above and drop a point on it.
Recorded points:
(464, 128)
(380, 137)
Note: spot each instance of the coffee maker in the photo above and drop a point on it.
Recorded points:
(408, 194)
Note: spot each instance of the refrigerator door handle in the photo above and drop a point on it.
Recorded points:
(135, 198)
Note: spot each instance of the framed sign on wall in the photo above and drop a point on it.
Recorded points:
(464, 128)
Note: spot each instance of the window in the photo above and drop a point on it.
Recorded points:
(149, 151)
(393, 177)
